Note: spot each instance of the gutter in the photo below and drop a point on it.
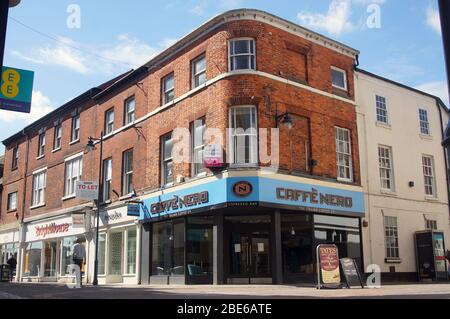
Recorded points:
(438, 102)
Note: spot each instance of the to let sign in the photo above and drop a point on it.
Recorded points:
(87, 190)
(16, 89)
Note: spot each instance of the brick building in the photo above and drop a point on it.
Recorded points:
(185, 140)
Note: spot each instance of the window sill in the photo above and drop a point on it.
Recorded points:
(238, 166)
(56, 150)
(14, 169)
(345, 180)
(124, 197)
(426, 137)
(383, 125)
(388, 193)
(74, 142)
(108, 135)
(11, 211)
(393, 260)
(68, 197)
(37, 206)
(431, 198)
(342, 89)
(40, 157)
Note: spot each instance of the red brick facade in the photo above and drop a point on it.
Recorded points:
(280, 55)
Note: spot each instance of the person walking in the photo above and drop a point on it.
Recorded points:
(12, 262)
(78, 255)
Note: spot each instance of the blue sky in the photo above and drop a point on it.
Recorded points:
(115, 36)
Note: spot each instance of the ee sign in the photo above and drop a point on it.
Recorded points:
(86, 190)
(16, 89)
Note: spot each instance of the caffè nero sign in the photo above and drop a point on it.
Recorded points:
(178, 202)
(314, 197)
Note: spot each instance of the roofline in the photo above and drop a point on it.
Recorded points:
(404, 86)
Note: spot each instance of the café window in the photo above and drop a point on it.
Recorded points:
(199, 250)
(57, 137)
(73, 174)
(198, 146)
(12, 202)
(127, 172)
(107, 179)
(242, 54)
(244, 135)
(166, 159)
(168, 248)
(75, 129)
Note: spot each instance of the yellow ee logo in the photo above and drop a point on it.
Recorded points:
(10, 86)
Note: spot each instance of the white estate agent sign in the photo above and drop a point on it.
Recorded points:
(86, 190)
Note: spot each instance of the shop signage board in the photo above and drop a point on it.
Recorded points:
(262, 190)
(52, 228)
(328, 274)
(16, 89)
(86, 190)
(9, 237)
(78, 220)
(351, 272)
(119, 215)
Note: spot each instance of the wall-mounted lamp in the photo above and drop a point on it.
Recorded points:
(293, 232)
(285, 119)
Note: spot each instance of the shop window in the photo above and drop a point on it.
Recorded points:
(242, 54)
(199, 250)
(73, 174)
(168, 248)
(115, 253)
(66, 254)
(198, 146)
(7, 251)
(101, 253)
(50, 259)
(131, 251)
(167, 159)
(32, 262)
(244, 135)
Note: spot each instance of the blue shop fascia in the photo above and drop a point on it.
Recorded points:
(246, 228)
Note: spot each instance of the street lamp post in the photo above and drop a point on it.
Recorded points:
(4, 9)
(90, 147)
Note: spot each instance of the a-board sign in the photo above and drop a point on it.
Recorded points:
(351, 272)
(329, 275)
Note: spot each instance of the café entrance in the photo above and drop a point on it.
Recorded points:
(248, 249)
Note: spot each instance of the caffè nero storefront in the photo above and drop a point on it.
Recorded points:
(247, 229)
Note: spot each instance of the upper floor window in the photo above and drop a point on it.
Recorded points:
(424, 124)
(107, 179)
(41, 144)
(428, 174)
(73, 174)
(15, 158)
(39, 184)
(109, 121)
(127, 173)
(12, 202)
(199, 71)
(168, 88)
(130, 107)
(75, 129)
(431, 224)
(382, 115)
(244, 135)
(344, 154)
(242, 54)
(386, 174)
(57, 137)
(339, 78)
(166, 159)
(198, 146)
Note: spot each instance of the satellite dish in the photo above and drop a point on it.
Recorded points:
(13, 3)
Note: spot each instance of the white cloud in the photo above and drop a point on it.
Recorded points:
(40, 106)
(167, 42)
(433, 20)
(126, 53)
(437, 88)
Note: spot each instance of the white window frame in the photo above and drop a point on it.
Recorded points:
(165, 90)
(380, 109)
(70, 178)
(15, 158)
(429, 172)
(392, 251)
(424, 124)
(349, 154)
(195, 74)
(253, 133)
(431, 224)
(345, 88)
(39, 186)
(41, 144)
(12, 205)
(76, 124)
(109, 123)
(165, 161)
(386, 168)
(107, 179)
(127, 173)
(249, 54)
(195, 148)
(57, 138)
(130, 114)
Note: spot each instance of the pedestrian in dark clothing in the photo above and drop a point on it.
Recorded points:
(12, 262)
(78, 256)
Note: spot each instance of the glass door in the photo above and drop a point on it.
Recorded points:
(50, 259)
(115, 253)
(199, 255)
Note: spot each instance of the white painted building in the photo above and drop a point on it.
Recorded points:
(403, 171)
